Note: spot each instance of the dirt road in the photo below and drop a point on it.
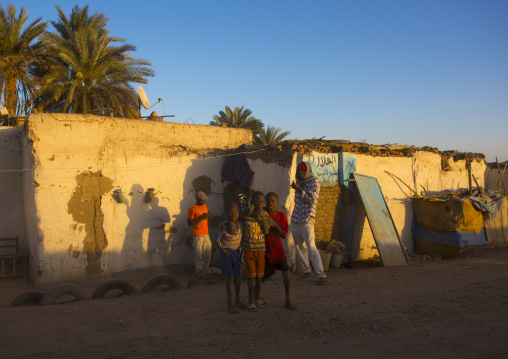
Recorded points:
(430, 309)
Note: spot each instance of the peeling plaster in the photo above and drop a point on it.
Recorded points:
(85, 208)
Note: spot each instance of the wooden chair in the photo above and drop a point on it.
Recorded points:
(9, 252)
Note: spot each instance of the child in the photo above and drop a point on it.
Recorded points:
(197, 218)
(255, 226)
(227, 240)
(275, 255)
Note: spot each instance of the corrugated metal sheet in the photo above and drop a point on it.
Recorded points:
(385, 234)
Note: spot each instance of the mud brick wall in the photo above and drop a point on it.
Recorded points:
(333, 209)
(328, 214)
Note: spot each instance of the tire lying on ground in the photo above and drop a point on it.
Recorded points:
(113, 284)
(210, 275)
(28, 298)
(62, 290)
(166, 280)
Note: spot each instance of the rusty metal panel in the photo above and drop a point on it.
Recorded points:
(385, 234)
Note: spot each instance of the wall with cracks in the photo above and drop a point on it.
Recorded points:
(75, 225)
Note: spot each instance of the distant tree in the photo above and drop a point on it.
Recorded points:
(86, 72)
(238, 118)
(20, 53)
(271, 135)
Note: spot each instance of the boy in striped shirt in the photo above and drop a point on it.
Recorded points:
(306, 189)
(255, 226)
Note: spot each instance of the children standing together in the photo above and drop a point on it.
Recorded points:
(257, 230)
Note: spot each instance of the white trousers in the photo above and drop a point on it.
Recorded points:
(202, 251)
(305, 248)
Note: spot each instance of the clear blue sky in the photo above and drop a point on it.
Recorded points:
(424, 73)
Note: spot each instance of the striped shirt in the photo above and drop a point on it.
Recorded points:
(227, 240)
(306, 202)
(253, 238)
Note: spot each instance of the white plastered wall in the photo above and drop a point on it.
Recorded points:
(424, 169)
(12, 217)
(130, 155)
(274, 177)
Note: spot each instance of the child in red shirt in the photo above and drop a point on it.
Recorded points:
(275, 255)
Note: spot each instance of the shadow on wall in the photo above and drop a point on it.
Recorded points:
(405, 234)
(132, 248)
(145, 216)
(168, 245)
(349, 211)
(354, 241)
(180, 236)
(157, 246)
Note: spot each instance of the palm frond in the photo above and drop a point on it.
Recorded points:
(271, 135)
(86, 71)
(238, 118)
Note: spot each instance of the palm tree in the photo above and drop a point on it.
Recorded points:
(239, 118)
(271, 135)
(19, 55)
(86, 72)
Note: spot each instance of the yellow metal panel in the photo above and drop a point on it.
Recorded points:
(453, 214)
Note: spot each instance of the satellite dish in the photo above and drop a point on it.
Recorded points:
(143, 100)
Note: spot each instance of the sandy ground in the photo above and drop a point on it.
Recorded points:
(430, 309)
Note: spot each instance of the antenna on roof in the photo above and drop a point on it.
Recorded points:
(143, 100)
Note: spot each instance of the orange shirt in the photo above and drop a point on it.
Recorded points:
(200, 229)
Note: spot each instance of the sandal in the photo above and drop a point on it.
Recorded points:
(260, 304)
(323, 281)
(252, 308)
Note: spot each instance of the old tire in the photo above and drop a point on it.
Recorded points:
(210, 275)
(113, 284)
(56, 293)
(156, 281)
(28, 298)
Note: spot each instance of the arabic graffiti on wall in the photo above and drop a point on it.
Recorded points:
(324, 166)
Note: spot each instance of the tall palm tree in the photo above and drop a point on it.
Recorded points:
(86, 71)
(238, 118)
(271, 135)
(19, 54)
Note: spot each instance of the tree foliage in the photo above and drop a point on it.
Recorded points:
(20, 54)
(238, 118)
(87, 69)
(271, 135)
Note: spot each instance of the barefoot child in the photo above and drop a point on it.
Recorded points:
(255, 226)
(228, 239)
(275, 255)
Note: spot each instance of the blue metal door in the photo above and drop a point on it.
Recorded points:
(385, 234)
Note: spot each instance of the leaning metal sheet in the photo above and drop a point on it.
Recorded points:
(387, 239)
